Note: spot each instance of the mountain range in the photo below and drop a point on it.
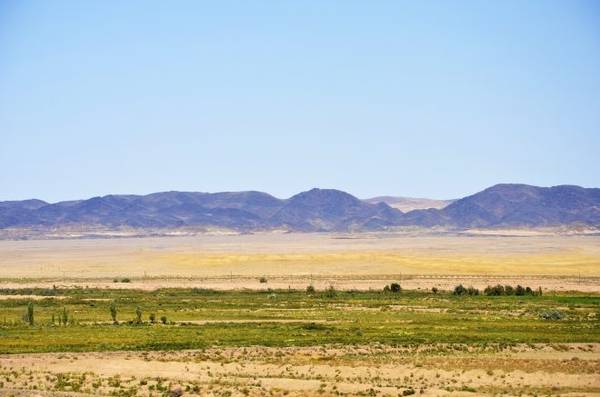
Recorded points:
(503, 205)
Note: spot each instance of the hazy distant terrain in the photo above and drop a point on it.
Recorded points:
(356, 257)
(406, 204)
(316, 210)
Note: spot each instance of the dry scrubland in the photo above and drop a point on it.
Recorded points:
(286, 342)
(220, 330)
(359, 370)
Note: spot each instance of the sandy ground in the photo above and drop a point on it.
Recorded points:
(284, 254)
(437, 370)
(357, 261)
(360, 283)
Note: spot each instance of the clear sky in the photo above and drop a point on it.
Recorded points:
(425, 98)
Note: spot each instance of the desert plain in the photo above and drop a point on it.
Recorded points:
(301, 315)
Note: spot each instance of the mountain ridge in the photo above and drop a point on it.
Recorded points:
(315, 210)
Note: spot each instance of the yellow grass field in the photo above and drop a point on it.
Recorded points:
(296, 259)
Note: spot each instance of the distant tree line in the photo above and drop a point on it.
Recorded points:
(498, 290)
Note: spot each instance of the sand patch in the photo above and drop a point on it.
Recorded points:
(30, 297)
(326, 370)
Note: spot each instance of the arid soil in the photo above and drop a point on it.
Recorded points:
(430, 370)
(357, 261)
(282, 261)
(320, 282)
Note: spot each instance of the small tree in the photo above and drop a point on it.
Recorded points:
(310, 289)
(434, 290)
(331, 292)
(65, 316)
(459, 290)
(29, 314)
(395, 287)
(528, 291)
(386, 289)
(152, 318)
(113, 312)
(494, 291)
(519, 290)
(163, 319)
(138, 315)
(472, 291)
(509, 290)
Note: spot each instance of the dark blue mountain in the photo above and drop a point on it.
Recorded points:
(525, 205)
(330, 209)
(504, 205)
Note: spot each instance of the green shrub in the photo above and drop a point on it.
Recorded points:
(152, 318)
(494, 291)
(459, 290)
(529, 291)
(163, 319)
(434, 290)
(310, 289)
(552, 315)
(472, 291)
(499, 290)
(113, 312)
(395, 287)
(29, 314)
(65, 316)
(262, 280)
(331, 292)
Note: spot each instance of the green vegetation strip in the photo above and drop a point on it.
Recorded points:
(62, 320)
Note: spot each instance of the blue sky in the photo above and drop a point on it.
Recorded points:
(426, 98)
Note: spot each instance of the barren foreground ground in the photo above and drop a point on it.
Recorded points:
(430, 370)
(287, 342)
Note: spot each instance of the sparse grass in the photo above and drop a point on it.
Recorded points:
(203, 318)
